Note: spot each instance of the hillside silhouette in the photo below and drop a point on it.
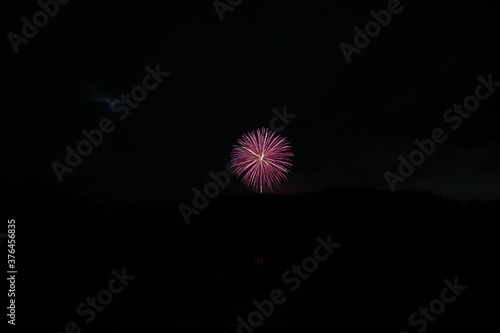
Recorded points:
(396, 250)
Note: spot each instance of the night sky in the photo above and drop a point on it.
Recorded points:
(396, 156)
(352, 120)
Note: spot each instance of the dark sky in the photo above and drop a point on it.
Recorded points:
(353, 120)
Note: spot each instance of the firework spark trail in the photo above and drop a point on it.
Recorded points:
(262, 158)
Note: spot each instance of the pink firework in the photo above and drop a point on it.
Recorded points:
(262, 157)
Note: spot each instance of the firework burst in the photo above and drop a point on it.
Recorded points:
(262, 158)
